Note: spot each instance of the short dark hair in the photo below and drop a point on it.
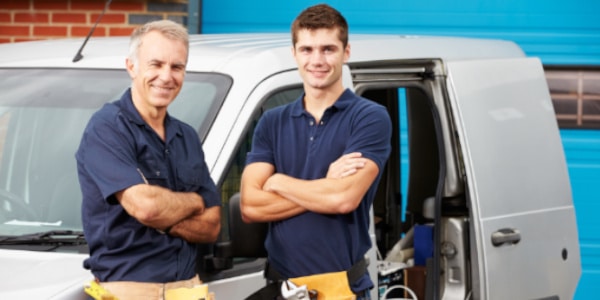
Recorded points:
(320, 16)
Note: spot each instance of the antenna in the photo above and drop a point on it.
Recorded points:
(78, 55)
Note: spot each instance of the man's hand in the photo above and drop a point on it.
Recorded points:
(159, 207)
(346, 165)
(201, 227)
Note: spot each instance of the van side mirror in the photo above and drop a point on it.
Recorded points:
(245, 240)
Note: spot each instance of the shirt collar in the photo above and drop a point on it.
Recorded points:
(340, 104)
(134, 116)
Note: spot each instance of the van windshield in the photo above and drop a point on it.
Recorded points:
(43, 113)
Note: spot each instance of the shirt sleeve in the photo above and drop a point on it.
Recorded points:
(208, 189)
(371, 134)
(108, 157)
(262, 141)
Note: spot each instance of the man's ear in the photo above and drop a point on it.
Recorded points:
(347, 53)
(130, 67)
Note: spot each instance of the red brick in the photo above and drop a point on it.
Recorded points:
(50, 31)
(109, 18)
(129, 6)
(5, 17)
(81, 31)
(69, 18)
(23, 17)
(14, 4)
(121, 31)
(89, 4)
(4, 40)
(26, 39)
(14, 30)
(51, 4)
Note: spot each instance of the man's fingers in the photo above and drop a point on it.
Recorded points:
(356, 163)
(346, 165)
(349, 172)
(353, 155)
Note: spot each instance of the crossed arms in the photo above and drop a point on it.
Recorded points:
(161, 208)
(268, 196)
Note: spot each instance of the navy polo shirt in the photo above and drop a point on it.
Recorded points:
(116, 146)
(288, 138)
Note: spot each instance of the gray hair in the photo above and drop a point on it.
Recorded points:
(168, 28)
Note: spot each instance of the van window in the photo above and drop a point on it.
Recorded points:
(576, 96)
(232, 179)
(43, 113)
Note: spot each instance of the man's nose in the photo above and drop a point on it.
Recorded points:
(165, 73)
(317, 57)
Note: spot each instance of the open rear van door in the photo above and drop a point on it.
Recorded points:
(524, 241)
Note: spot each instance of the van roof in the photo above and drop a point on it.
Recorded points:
(214, 52)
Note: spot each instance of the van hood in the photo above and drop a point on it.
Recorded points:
(42, 275)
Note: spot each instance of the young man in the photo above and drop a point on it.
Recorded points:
(148, 197)
(315, 163)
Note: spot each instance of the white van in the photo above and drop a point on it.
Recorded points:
(475, 201)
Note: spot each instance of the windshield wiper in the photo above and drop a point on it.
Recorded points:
(54, 237)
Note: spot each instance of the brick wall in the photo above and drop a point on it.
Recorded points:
(26, 20)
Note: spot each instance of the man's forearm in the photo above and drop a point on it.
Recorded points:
(199, 228)
(258, 205)
(326, 195)
(262, 206)
(320, 195)
(158, 207)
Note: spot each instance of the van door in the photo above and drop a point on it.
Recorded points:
(233, 269)
(525, 243)
(422, 167)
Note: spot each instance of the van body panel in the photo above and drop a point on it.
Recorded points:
(230, 125)
(238, 287)
(544, 263)
(62, 274)
(479, 104)
(517, 178)
(260, 53)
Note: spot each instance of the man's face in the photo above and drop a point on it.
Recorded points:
(320, 56)
(160, 70)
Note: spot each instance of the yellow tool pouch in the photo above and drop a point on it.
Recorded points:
(329, 286)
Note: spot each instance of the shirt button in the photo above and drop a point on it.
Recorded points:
(322, 122)
(167, 151)
(311, 123)
(311, 138)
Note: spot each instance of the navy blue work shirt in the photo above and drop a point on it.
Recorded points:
(116, 148)
(288, 138)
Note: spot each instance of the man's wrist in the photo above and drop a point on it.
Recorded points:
(165, 231)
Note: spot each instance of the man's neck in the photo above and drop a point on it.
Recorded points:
(316, 101)
(153, 116)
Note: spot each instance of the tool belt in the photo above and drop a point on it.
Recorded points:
(131, 290)
(326, 286)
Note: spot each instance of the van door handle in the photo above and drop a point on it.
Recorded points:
(505, 236)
